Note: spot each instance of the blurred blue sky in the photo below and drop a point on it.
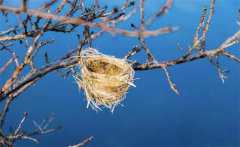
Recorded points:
(206, 114)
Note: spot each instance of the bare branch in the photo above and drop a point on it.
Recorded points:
(162, 11)
(171, 84)
(83, 143)
(79, 21)
(9, 38)
(231, 56)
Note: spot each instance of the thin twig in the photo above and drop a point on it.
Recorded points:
(83, 143)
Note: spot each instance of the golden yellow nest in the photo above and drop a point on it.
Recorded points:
(105, 79)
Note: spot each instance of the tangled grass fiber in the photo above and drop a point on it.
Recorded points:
(105, 79)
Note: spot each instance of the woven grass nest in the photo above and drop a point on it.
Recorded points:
(105, 79)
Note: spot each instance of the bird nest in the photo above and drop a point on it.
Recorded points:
(105, 79)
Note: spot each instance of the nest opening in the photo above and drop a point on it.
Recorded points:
(103, 67)
(104, 79)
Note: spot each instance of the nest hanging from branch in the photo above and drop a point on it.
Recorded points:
(105, 79)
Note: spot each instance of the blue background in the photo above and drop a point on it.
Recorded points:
(206, 114)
